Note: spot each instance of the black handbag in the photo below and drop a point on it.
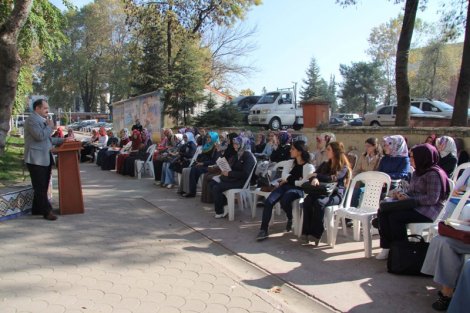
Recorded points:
(321, 190)
(407, 257)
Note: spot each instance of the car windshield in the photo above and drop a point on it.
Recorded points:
(268, 98)
(444, 106)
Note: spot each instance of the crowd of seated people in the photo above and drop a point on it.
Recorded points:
(419, 178)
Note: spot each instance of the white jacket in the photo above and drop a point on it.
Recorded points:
(287, 166)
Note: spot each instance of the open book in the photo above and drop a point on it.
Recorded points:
(222, 163)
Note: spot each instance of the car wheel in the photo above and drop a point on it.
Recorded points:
(375, 123)
(275, 123)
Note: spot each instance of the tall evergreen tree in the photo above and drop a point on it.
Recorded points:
(331, 94)
(314, 86)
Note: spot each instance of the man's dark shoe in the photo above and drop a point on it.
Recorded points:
(189, 195)
(442, 303)
(375, 223)
(262, 235)
(50, 217)
(289, 226)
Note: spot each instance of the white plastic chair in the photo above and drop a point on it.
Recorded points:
(455, 215)
(461, 167)
(373, 184)
(419, 228)
(147, 165)
(243, 194)
(198, 151)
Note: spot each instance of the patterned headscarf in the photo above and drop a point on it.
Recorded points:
(136, 139)
(124, 133)
(209, 145)
(449, 146)
(398, 146)
(244, 144)
(326, 137)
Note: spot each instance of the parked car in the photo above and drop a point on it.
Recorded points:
(385, 115)
(356, 122)
(336, 121)
(434, 107)
(346, 116)
(244, 104)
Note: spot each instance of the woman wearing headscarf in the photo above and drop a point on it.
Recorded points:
(109, 159)
(58, 133)
(281, 152)
(136, 140)
(395, 161)
(227, 152)
(70, 135)
(260, 143)
(294, 174)
(448, 152)
(207, 157)
(236, 178)
(140, 154)
(319, 155)
(185, 154)
(428, 189)
(431, 139)
(88, 147)
(112, 143)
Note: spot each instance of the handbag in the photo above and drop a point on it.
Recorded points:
(321, 190)
(398, 205)
(407, 257)
(451, 232)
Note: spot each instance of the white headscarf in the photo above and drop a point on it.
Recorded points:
(449, 146)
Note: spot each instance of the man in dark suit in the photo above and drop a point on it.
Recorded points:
(38, 142)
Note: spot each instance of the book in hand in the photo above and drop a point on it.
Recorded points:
(222, 163)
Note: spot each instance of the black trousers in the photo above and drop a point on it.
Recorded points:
(217, 190)
(40, 176)
(314, 211)
(392, 225)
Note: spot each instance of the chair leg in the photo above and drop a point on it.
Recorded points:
(356, 230)
(295, 215)
(254, 202)
(334, 233)
(367, 237)
(231, 206)
(344, 228)
(300, 222)
(329, 223)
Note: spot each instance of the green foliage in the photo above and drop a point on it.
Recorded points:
(11, 162)
(247, 92)
(315, 87)
(331, 94)
(361, 86)
(210, 104)
(225, 116)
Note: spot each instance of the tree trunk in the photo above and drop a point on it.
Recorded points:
(462, 97)
(10, 64)
(401, 66)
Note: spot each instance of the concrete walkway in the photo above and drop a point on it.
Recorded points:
(142, 248)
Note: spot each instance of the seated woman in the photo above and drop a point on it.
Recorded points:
(462, 155)
(335, 170)
(431, 139)
(163, 146)
(136, 140)
(235, 178)
(207, 157)
(58, 133)
(89, 148)
(295, 173)
(185, 154)
(368, 161)
(141, 154)
(428, 188)
(448, 152)
(444, 260)
(319, 155)
(112, 143)
(281, 151)
(272, 141)
(395, 161)
(109, 159)
(260, 143)
(70, 135)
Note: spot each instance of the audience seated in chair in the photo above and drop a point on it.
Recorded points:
(395, 161)
(448, 154)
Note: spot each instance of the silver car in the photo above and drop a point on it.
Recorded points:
(385, 115)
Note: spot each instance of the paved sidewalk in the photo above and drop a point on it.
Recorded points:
(142, 248)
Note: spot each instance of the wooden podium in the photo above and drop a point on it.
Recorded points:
(70, 187)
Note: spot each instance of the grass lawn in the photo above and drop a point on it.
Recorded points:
(11, 163)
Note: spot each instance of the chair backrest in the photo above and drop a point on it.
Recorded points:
(198, 151)
(373, 184)
(457, 170)
(458, 209)
(247, 183)
(443, 214)
(150, 151)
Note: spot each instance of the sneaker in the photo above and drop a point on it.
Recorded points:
(442, 303)
(262, 235)
(383, 255)
(169, 186)
(221, 215)
(289, 226)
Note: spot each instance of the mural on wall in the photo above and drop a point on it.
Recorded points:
(147, 108)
